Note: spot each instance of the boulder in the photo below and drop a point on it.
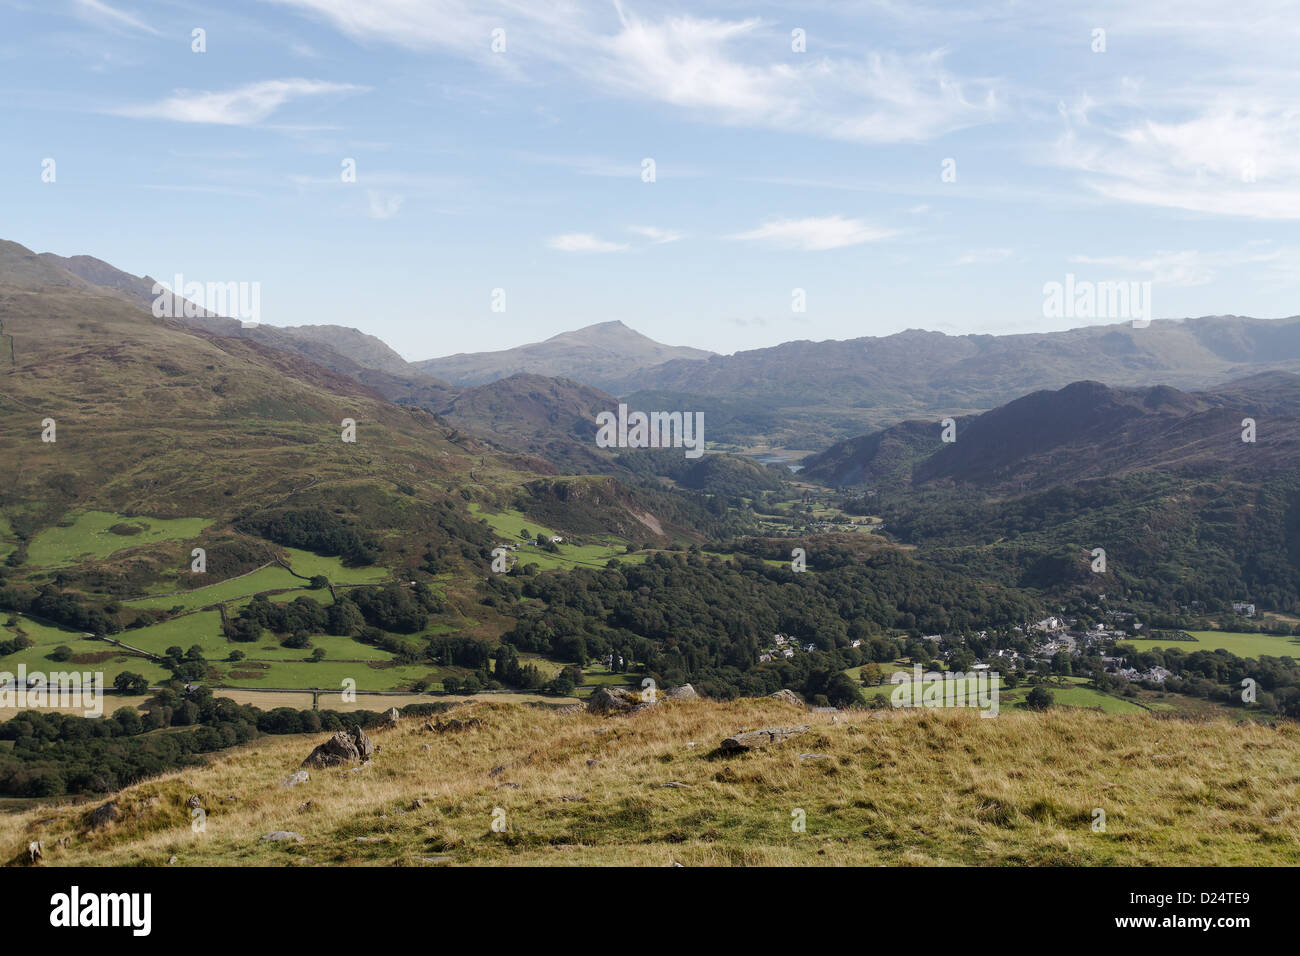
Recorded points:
(394, 716)
(788, 696)
(365, 746)
(35, 850)
(345, 746)
(616, 700)
(194, 802)
(103, 816)
(685, 692)
(752, 739)
(301, 776)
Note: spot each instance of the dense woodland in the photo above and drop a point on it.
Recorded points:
(693, 617)
(1169, 541)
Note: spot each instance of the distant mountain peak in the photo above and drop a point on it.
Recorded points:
(603, 355)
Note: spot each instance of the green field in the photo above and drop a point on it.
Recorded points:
(264, 579)
(509, 523)
(308, 565)
(1242, 645)
(268, 579)
(329, 674)
(89, 536)
(1076, 695)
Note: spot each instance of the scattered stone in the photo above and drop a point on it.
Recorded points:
(813, 757)
(593, 763)
(280, 836)
(434, 859)
(674, 784)
(509, 786)
(394, 717)
(497, 771)
(572, 798)
(616, 700)
(300, 776)
(305, 806)
(425, 747)
(35, 851)
(417, 803)
(685, 692)
(570, 709)
(194, 802)
(103, 816)
(368, 840)
(171, 861)
(752, 739)
(345, 746)
(64, 842)
(788, 696)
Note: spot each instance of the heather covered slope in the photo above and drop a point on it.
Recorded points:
(894, 787)
(151, 416)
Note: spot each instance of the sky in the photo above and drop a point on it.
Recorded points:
(721, 175)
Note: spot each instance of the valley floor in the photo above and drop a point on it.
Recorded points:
(897, 787)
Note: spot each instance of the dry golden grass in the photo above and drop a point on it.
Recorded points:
(909, 788)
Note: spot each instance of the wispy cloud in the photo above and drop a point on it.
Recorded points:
(828, 232)
(582, 242)
(717, 69)
(1232, 158)
(656, 235)
(244, 106)
(1191, 267)
(101, 12)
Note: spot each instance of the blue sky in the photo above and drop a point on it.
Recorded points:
(1172, 157)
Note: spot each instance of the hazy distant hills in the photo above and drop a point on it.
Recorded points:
(606, 356)
(797, 395)
(1085, 430)
(810, 393)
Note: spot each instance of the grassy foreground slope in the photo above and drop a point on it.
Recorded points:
(886, 787)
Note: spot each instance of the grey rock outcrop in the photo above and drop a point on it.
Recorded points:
(753, 739)
(343, 747)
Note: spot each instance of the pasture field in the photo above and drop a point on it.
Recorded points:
(1073, 695)
(269, 578)
(202, 628)
(510, 523)
(1242, 645)
(89, 535)
(328, 674)
(309, 564)
(87, 654)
